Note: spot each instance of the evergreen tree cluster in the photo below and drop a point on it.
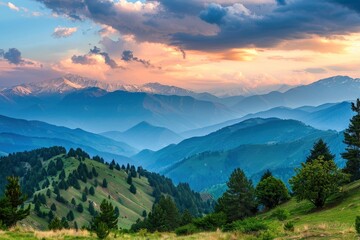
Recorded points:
(28, 166)
(184, 197)
(78, 154)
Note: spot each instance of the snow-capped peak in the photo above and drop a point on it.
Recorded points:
(70, 82)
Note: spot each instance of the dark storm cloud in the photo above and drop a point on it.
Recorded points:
(296, 20)
(237, 26)
(192, 7)
(351, 4)
(87, 60)
(213, 14)
(281, 2)
(13, 56)
(128, 56)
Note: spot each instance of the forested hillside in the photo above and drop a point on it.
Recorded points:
(71, 186)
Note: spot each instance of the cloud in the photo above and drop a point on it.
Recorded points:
(13, 56)
(315, 70)
(84, 60)
(296, 20)
(295, 59)
(88, 59)
(219, 24)
(13, 7)
(64, 32)
(128, 56)
(213, 14)
(281, 2)
(351, 4)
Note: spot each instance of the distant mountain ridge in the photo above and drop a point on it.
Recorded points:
(330, 116)
(21, 135)
(251, 131)
(145, 136)
(70, 83)
(329, 90)
(254, 145)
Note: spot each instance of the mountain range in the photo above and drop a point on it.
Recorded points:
(20, 135)
(254, 145)
(329, 116)
(71, 83)
(329, 90)
(145, 136)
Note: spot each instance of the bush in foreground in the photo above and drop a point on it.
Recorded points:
(357, 224)
(281, 214)
(249, 225)
(186, 230)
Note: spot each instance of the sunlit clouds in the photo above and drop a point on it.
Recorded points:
(196, 44)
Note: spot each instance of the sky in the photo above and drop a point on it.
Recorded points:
(197, 44)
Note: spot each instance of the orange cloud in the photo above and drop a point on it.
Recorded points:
(315, 44)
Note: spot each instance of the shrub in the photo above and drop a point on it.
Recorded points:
(357, 224)
(267, 235)
(186, 230)
(281, 214)
(247, 226)
(289, 226)
(210, 222)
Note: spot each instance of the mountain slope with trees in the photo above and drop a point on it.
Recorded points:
(71, 186)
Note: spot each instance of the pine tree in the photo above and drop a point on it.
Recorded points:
(266, 174)
(239, 200)
(105, 221)
(91, 209)
(70, 216)
(132, 189)
(65, 223)
(165, 216)
(117, 212)
(80, 208)
(352, 140)
(129, 179)
(51, 216)
(92, 191)
(62, 175)
(53, 207)
(104, 183)
(320, 149)
(84, 197)
(48, 193)
(10, 213)
(76, 226)
(186, 218)
(55, 224)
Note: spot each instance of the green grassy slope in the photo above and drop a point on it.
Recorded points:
(131, 206)
(335, 221)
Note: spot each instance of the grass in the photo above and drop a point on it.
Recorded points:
(83, 235)
(335, 221)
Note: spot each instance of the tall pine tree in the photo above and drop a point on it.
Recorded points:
(105, 221)
(320, 149)
(352, 140)
(10, 211)
(239, 200)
